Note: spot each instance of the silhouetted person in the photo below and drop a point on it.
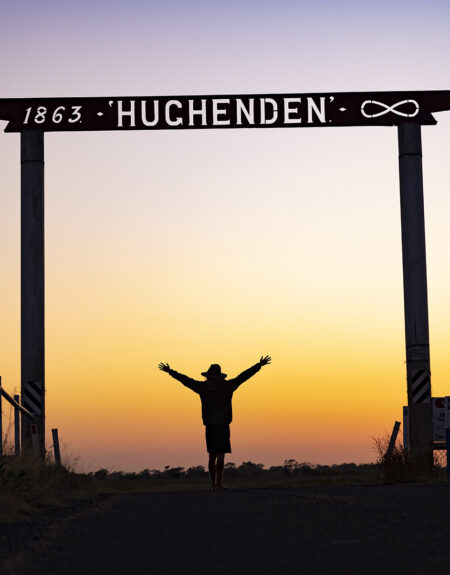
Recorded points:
(216, 393)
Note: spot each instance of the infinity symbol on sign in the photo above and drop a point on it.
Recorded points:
(386, 109)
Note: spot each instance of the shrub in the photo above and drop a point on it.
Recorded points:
(250, 468)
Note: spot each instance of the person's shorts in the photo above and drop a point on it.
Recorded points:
(218, 438)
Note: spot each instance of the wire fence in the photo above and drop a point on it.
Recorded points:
(14, 419)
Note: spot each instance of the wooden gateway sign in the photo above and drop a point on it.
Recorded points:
(229, 111)
(406, 110)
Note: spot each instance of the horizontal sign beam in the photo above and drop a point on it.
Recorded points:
(229, 111)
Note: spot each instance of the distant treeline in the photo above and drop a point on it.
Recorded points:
(291, 467)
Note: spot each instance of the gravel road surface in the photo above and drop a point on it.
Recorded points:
(373, 529)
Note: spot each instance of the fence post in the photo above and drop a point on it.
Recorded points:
(390, 448)
(56, 447)
(18, 409)
(17, 426)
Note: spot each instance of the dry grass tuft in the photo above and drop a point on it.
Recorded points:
(28, 482)
(401, 467)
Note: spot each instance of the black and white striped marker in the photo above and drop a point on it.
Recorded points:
(421, 386)
(32, 397)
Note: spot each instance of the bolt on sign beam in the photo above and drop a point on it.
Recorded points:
(32, 274)
(415, 291)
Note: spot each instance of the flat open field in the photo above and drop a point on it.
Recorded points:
(312, 530)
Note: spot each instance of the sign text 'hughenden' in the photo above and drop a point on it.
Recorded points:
(229, 111)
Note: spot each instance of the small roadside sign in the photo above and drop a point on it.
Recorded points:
(439, 412)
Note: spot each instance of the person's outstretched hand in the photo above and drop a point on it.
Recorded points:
(164, 367)
(265, 360)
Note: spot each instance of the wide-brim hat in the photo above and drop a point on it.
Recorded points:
(214, 371)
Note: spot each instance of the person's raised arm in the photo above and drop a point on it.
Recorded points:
(184, 379)
(248, 373)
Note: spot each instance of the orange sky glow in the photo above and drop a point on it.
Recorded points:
(222, 246)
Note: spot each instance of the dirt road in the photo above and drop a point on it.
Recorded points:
(375, 529)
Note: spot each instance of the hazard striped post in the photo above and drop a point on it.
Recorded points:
(415, 293)
(33, 401)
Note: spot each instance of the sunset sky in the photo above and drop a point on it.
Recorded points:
(199, 247)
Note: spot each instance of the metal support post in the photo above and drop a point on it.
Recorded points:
(17, 425)
(415, 292)
(32, 271)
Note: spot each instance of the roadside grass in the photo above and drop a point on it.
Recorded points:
(248, 475)
(28, 483)
(400, 467)
(137, 485)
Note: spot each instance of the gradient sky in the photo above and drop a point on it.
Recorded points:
(200, 247)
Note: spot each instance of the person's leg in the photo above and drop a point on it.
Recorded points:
(212, 469)
(219, 469)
